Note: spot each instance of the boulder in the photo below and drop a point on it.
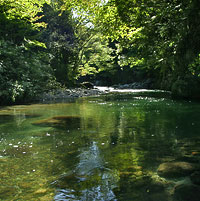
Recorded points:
(187, 192)
(175, 169)
(60, 122)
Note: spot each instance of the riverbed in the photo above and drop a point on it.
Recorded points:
(107, 147)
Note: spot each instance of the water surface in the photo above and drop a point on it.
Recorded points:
(97, 148)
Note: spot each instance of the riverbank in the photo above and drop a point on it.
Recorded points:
(71, 94)
(63, 94)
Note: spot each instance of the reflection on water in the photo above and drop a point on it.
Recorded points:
(89, 168)
(102, 148)
(89, 160)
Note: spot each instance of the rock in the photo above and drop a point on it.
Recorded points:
(41, 191)
(175, 169)
(136, 85)
(187, 192)
(87, 85)
(69, 94)
(195, 177)
(60, 122)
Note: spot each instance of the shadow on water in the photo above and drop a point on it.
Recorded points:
(90, 180)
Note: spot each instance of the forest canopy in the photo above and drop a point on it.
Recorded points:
(46, 44)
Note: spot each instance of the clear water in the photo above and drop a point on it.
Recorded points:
(102, 148)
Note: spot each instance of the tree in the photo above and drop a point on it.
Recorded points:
(97, 56)
(159, 35)
(60, 40)
(24, 68)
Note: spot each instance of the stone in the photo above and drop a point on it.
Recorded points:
(69, 94)
(175, 169)
(41, 191)
(60, 122)
(187, 192)
(195, 177)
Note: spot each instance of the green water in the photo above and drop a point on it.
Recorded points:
(101, 148)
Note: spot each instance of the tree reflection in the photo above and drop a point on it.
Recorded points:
(90, 180)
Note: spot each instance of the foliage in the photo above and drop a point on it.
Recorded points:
(23, 73)
(23, 10)
(97, 56)
(24, 66)
(30, 61)
(44, 42)
(195, 66)
(157, 35)
(61, 43)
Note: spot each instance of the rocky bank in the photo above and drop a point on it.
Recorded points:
(67, 94)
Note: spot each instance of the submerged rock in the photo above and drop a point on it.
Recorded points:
(175, 169)
(60, 121)
(90, 180)
(41, 191)
(187, 192)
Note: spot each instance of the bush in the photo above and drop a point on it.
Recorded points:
(23, 73)
(186, 87)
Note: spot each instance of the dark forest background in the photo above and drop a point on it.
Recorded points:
(47, 45)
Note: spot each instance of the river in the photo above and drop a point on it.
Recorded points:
(104, 148)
